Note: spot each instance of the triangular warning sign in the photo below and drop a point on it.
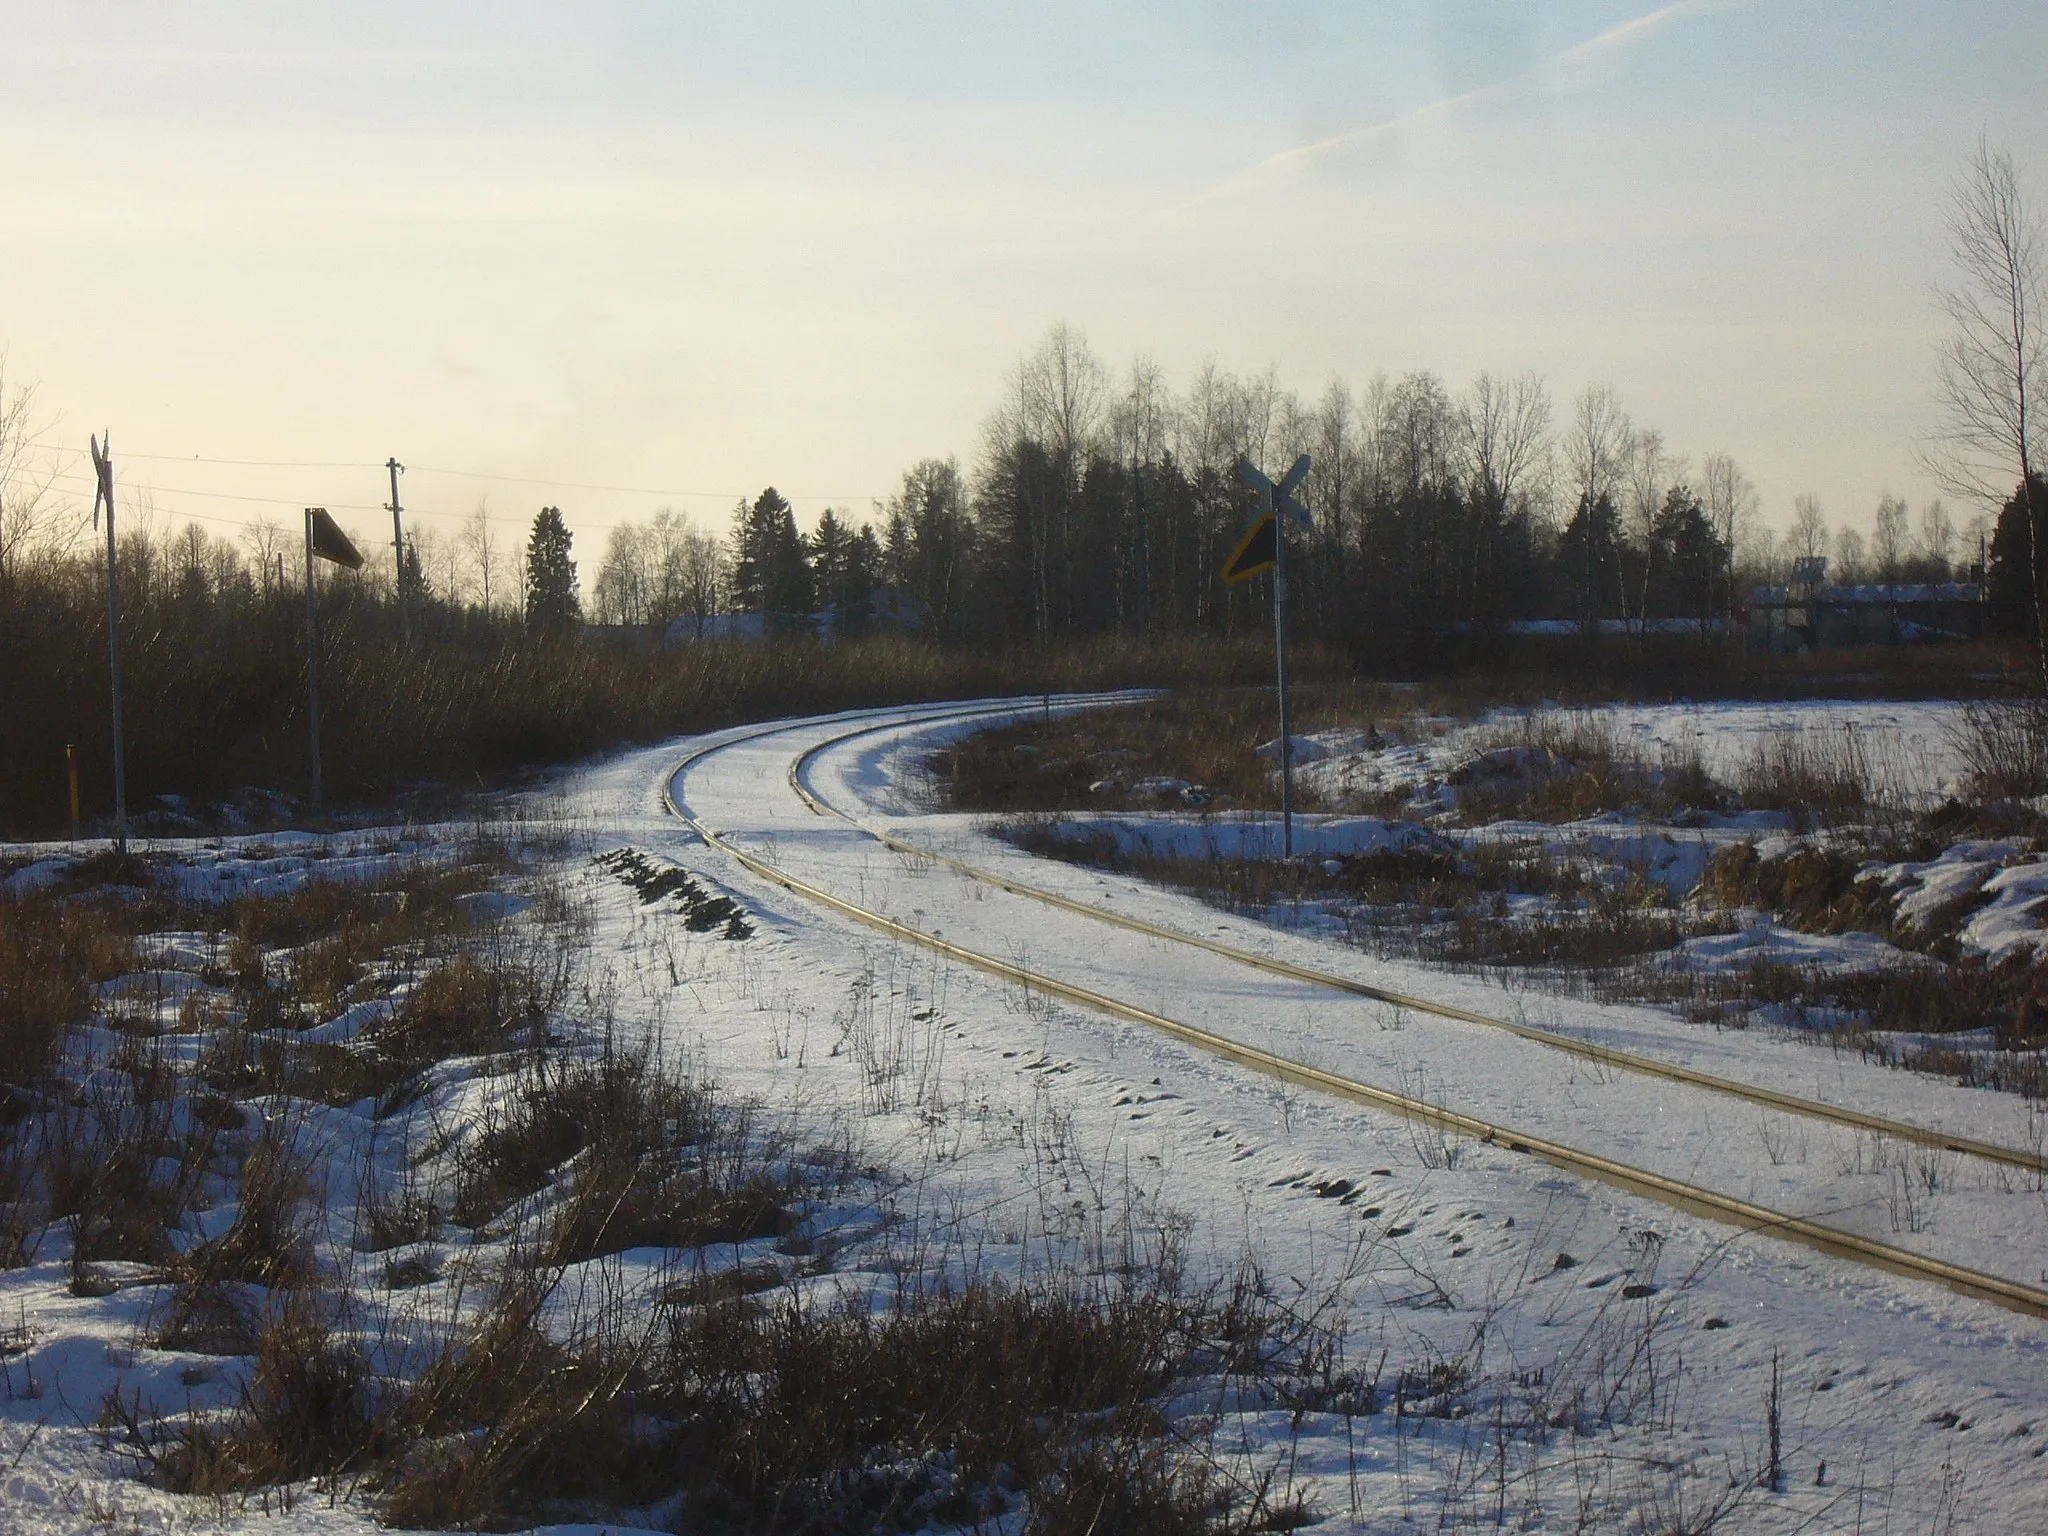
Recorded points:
(1258, 551)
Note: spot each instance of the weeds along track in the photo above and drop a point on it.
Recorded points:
(1693, 1199)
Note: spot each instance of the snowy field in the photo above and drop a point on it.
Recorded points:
(1911, 748)
(1572, 1358)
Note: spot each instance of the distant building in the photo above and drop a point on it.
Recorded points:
(714, 626)
(1808, 614)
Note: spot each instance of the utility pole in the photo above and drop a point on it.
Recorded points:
(398, 548)
(103, 492)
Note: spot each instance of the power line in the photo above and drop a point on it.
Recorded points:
(500, 519)
(274, 501)
(632, 490)
(516, 519)
(482, 474)
(194, 458)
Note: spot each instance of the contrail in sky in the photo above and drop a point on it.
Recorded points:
(1612, 43)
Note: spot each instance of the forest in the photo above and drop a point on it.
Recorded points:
(1099, 505)
(1080, 544)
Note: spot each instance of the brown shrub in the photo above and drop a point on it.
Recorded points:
(466, 1007)
(51, 952)
(2003, 744)
(1817, 890)
(306, 1410)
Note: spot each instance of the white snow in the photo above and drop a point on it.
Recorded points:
(1017, 1132)
(1761, 941)
(1909, 747)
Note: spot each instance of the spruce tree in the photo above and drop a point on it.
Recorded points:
(771, 572)
(551, 601)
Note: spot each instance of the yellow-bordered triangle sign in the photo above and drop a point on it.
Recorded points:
(1258, 550)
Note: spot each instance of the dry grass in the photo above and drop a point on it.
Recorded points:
(52, 950)
(717, 1389)
(2004, 747)
(640, 1156)
(1575, 764)
(1451, 908)
(1204, 736)
(1816, 890)
(772, 1414)
(1817, 776)
(215, 694)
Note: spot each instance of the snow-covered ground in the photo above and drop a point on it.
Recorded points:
(1014, 1131)
(1910, 748)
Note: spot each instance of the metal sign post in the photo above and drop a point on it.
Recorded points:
(1276, 508)
(327, 542)
(312, 668)
(103, 494)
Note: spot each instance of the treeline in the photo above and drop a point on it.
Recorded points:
(1080, 545)
(451, 693)
(1104, 506)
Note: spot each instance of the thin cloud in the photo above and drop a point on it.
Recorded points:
(1604, 48)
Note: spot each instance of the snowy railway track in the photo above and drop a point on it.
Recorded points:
(1588, 1050)
(1677, 1194)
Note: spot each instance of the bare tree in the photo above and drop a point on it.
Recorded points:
(1889, 537)
(1507, 433)
(1061, 390)
(1732, 506)
(1333, 489)
(1510, 433)
(1648, 470)
(1848, 555)
(624, 588)
(1596, 453)
(480, 545)
(30, 513)
(1937, 543)
(1596, 446)
(1990, 366)
(701, 580)
(1807, 538)
(264, 540)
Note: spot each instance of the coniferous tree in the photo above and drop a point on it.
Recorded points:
(831, 552)
(771, 572)
(1690, 566)
(551, 600)
(2012, 601)
(1589, 552)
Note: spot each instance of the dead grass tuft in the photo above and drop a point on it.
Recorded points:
(52, 950)
(1817, 890)
(2004, 747)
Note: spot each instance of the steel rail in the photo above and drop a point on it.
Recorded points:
(1676, 1194)
(1611, 1056)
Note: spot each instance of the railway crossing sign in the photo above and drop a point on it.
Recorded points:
(1258, 550)
(1264, 548)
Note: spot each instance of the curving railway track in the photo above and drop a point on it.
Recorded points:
(1691, 1197)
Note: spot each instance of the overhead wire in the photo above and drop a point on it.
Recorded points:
(483, 474)
(177, 494)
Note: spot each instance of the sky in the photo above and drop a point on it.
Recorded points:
(612, 256)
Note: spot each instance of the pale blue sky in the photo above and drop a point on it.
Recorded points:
(702, 248)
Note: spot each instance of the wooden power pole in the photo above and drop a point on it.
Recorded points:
(103, 494)
(398, 548)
